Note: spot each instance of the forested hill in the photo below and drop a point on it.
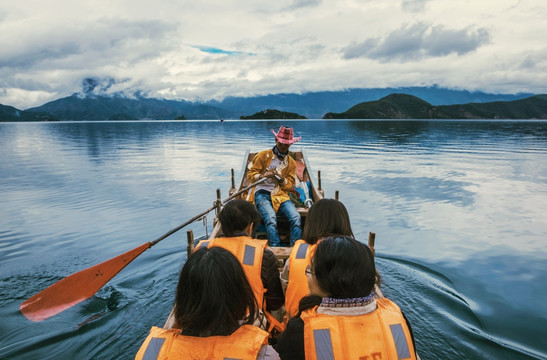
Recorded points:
(404, 106)
(9, 113)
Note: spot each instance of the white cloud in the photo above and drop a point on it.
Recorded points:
(216, 48)
(418, 41)
(414, 5)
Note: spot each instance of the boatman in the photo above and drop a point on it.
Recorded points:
(272, 196)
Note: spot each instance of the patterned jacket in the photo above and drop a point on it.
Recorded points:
(287, 168)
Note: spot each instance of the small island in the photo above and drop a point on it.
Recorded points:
(272, 114)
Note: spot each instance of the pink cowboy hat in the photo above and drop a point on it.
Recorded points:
(285, 135)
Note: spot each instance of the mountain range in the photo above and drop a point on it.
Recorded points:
(88, 105)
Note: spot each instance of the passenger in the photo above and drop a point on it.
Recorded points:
(327, 217)
(237, 219)
(342, 317)
(214, 312)
(272, 196)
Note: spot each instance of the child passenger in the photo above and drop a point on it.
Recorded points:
(326, 217)
(342, 318)
(214, 311)
(237, 219)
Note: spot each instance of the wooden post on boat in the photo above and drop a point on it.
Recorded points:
(378, 278)
(336, 194)
(233, 188)
(371, 238)
(319, 180)
(218, 202)
(319, 189)
(190, 238)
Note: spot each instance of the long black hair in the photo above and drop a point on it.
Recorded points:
(213, 294)
(325, 218)
(343, 267)
(236, 215)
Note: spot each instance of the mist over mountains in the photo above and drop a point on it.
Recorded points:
(105, 99)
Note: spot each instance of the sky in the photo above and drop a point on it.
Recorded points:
(210, 49)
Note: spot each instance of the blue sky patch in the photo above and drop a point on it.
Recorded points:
(213, 50)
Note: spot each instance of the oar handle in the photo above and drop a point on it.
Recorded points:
(241, 191)
(237, 193)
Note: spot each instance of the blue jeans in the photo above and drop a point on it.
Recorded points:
(263, 203)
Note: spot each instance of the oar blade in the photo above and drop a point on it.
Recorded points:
(76, 287)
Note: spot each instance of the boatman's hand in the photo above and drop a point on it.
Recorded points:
(278, 178)
(272, 174)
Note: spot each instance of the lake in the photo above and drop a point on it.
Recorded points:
(459, 209)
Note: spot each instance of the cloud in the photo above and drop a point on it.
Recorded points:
(103, 86)
(297, 4)
(39, 53)
(414, 5)
(281, 6)
(417, 42)
(116, 39)
(217, 48)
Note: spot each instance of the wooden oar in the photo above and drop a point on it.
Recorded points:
(82, 285)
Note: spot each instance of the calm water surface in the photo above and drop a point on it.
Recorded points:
(458, 207)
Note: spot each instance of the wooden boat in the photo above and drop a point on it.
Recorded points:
(282, 253)
(315, 193)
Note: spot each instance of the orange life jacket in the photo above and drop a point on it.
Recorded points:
(249, 252)
(244, 343)
(297, 287)
(380, 335)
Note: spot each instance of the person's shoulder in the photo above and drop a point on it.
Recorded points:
(387, 303)
(269, 255)
(258, 242)
(291, 162)
(309, 302)
(263, 152)
(267, 352)
(263, 155)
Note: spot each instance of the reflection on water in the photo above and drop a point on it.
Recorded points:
(439, 190)
(458, 208)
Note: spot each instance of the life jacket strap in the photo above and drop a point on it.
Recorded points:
(275, 327)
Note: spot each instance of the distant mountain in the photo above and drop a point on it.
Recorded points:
(94, 103)
(9, 113)
(119, 107)
(314, 105)
(534, 107)
(273, 114)
(403, 106)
